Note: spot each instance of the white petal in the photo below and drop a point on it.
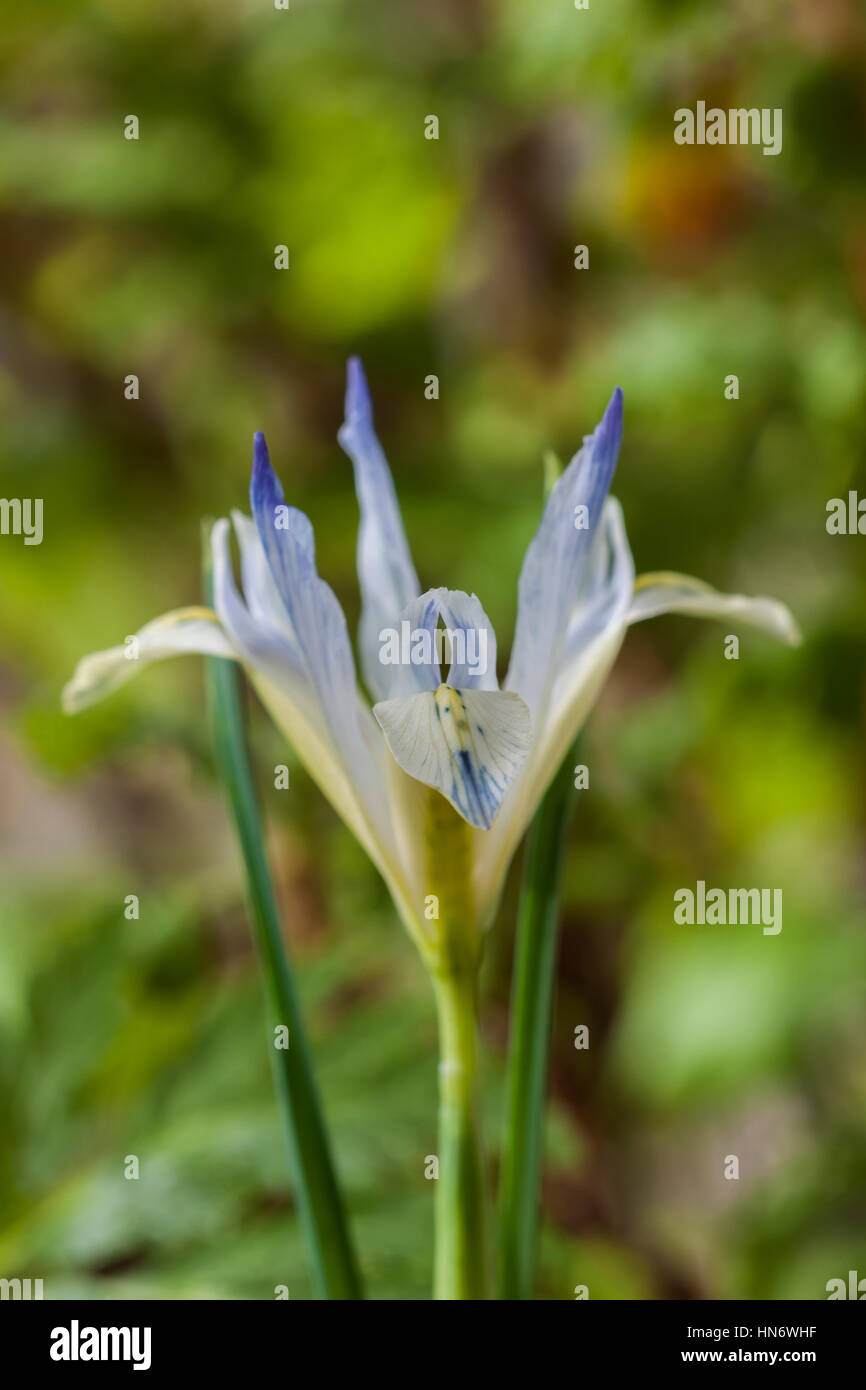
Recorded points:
(679, 593)
(183, 630)
(363, 808)
(385, 570)
(468, 744)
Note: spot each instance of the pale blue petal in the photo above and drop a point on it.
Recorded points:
(259, 589)
(595, 633)
(609, 578)
(552, 570)
(316, 618)
(349, 765)
(385, 570)
(260, 637)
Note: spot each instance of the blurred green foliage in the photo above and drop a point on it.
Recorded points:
(454, 257)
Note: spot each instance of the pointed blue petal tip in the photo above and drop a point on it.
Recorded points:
(264, 484)
(613, 410)
(261, 457)
(359, 407)
(608, 432)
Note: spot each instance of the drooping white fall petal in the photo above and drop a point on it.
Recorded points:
(172, 634)
(667, 592)
(467, 744)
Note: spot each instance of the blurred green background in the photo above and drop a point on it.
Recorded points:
(453, 257)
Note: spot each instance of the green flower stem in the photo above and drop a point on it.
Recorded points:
(453, 956)
(531, 1006)
(461, 1247)
(320, 1205)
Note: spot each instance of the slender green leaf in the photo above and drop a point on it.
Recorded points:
(531, 1005)
(318, 1195)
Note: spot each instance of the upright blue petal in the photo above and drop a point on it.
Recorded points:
(385, 570)
(552, 569)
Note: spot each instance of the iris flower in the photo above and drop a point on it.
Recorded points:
(439, 778)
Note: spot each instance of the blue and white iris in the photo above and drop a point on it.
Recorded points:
(489, 750)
